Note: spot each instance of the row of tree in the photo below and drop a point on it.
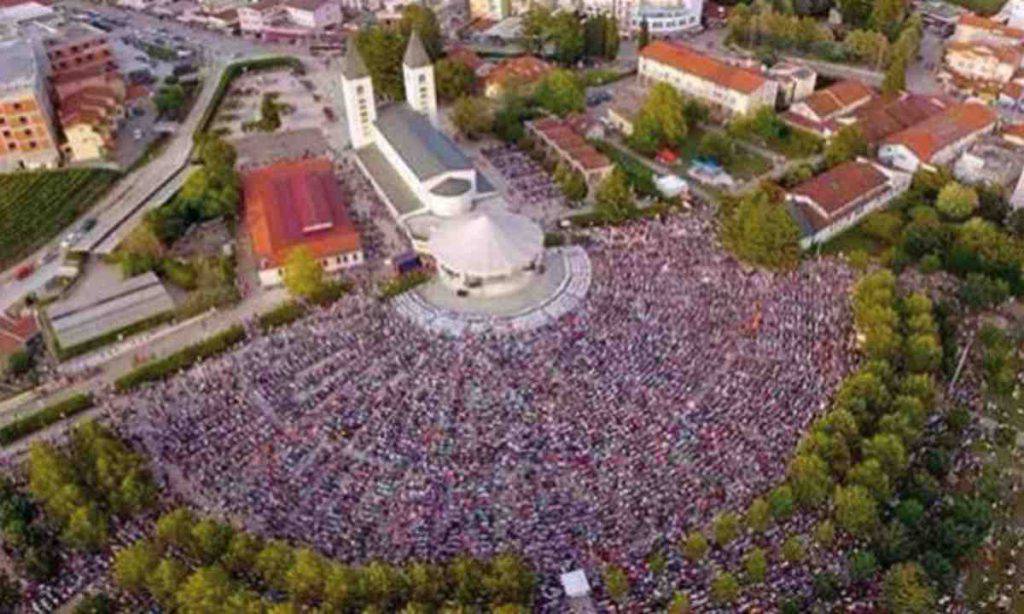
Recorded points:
(572, 39)
(203, 565)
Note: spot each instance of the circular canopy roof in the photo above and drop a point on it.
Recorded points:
(486, 243)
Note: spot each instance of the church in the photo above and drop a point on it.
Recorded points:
(432, 187)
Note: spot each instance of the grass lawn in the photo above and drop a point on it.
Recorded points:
(35, 206)
(853, 240)
(744, 165)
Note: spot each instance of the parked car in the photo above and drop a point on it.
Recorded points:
(88, 224)
(24, 271)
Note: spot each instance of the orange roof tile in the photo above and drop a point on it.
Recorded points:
(685, 59)
(983, 23)
(927, 138)
(1004, 53)
(524, 69)
(838, 98)
(297, 203)
(837, 188)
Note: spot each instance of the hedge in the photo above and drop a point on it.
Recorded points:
(112, 336)
(163, 367)
(285, 313)
(402, 283)
(45, 417)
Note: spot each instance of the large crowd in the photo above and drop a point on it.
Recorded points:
(677, 390)
(528, 182)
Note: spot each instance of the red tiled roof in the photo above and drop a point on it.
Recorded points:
(837, 98)
(888, 114)
(524, 69)
(297, 203)
(465, 55)
(14, 332)
(983, 23)
(685, 59)
(836, 190)
(1004, 53)
(1016, 130)
(564, 136)
(927, 138)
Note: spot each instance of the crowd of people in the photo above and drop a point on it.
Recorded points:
(528, 182)
(676, 391)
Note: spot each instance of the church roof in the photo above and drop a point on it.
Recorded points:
(415, 53)
(427, 151)
(353, 66)
(486, 244)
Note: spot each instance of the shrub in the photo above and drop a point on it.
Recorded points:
(285, 313)
(44, 417)
(164, 367)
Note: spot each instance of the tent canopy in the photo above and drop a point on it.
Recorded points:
(486, 244)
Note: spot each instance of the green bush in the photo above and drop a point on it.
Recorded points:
(45, 417)
(164, 367)
(403, 283)
(285, 313)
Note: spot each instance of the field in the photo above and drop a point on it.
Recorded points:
(36, 206)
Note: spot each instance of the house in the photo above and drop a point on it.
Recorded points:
(562, 142)
(728, 89)
(939, 139)
(982, 63)
(796, 82)
(974, 29)
(16, 332)
(292, 204)
(992, 161)
(288, 19)
(1014, 133)
(890, 113)
(521, 72)
(834, 101)
(835, 200)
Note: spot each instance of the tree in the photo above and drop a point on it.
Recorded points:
(175, 529)
(758, 515)
(724, 588)
(422, 19)
(680, 604)
(862, 565)
(210, 540)
(19, 363)
(856, 13)
(869, 474)
(905, 590)
(810, 479)
(566, 32)
(781, 501)
(341, 588)
(95, 603)
(536, 25)
(170, 100)
(303, 274)
(895, 79)
(305, 579)
(426, 582)
(611, 38)
(613, 199)
(645, 34)
(472, 116)
(888, 450)
(616, 583)
(726, 528)
(887, 15)
(718, 146)
(756, 565)
(382, 50)
(825, 533)
(793, 549)
(10, 593)
(695, 546)
(560, 92)
(382, 585)
(847, 144)
(855, 510)
(132, 565)
(572, 183)
(956, 201)
(87, 528)
(454, 80)
(273, 564)
(509, 580)
(661, 120)
(165, 580)
(208, 589)
(466, 575)
(868, 46)
(761, 231)
(241, 554)
(594, 38)
(981, 291)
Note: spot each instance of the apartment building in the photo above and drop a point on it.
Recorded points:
(280, 19)
(974, 29)
(982, 63)
(729, 89)
(27, 136)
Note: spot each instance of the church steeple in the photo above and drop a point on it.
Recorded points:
(418, 74)
(357, 90)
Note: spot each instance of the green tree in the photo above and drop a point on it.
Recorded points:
(695, 546)
(342, 588)
(170, 100)
(87, 528)
(536, 24)
(466, 576)
(726, 528)
(175, 529)
(644, 37)
(847, 144)
(793, 549)
(724, 588)
(759, 515)
(422, 19)
(382, 584)
(613, 198)
(208, 589)
(454, 80)
(240, 558)
(905, 590)
(19, 363)
(888, 450)
(855, 510)
(594, 37)
(566, 32)
(780, 499)
(382, 50)
(680, 604)
(305, 579)
(509, 580)
(10, 593)
(273, 564)
(810, 479)
(868, 46)
(661, 120)
(210, 540)
(426, 582)
(611, 38)
(616, 583)
(718, 146)
(895, 80)
(472, 116)
(756, 565)
(560, 92)
(132, 565)
(862, 565)
(887, 15)
(825, 533)
(856, 13)
(95, 603)
(761, 231)
(303, 274)
(956, 201)
(571, 182)
(165, 580)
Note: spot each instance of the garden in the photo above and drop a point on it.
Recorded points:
(35, 206)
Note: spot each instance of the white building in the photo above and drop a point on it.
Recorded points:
(939, 139)
(835, 200)
(974, 29)
(983, 62)
(288, 18)
(664, 17)
(731, 89)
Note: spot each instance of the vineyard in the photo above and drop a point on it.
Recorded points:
(36, 206)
